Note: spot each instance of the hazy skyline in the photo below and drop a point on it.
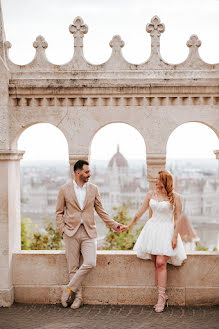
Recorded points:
(24, 20)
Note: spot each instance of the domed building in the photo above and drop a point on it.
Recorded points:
(117, 171)
(120, 184)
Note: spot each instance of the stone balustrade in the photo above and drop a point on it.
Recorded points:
(119, 278)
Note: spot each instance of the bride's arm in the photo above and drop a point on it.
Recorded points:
(141, 210)
(177, 217)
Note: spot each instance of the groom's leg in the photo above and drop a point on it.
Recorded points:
(88, 249)
(72, 251)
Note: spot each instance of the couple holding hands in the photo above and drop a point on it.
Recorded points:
(159, 239)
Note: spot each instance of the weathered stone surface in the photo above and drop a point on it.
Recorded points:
(40, 268)
(119, 278)
(200, 269)
(202, 296)
(100, 295)
(32, 295)
(6, 297)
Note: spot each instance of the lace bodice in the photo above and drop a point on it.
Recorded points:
(161, 210)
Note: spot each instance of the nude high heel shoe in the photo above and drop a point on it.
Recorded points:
(161, 306)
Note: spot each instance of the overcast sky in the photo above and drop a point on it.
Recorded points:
(24, 20)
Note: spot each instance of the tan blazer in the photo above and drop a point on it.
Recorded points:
(69, 213)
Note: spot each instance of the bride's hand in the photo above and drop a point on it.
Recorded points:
(174, 242)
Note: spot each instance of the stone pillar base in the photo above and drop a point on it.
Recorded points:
(6, 297)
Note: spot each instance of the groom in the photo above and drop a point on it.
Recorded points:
(75, 206)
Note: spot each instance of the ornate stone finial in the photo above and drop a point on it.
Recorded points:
(40, 43)
(117, 42)
(155, 27)
(193, 41)
(78, 29)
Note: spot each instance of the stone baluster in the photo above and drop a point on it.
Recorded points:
(10, 225)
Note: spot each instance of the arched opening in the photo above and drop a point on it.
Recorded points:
(44, 169)
(191, 159)
(118, 164)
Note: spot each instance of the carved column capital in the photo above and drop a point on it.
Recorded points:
(216, 152)
(11, 155)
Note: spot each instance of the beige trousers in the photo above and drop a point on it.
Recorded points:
(79, 243)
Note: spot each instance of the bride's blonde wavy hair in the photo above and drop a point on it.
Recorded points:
(166, 178)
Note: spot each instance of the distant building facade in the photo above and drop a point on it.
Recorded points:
(119, 184)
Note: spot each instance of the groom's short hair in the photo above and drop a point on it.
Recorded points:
(79, 164)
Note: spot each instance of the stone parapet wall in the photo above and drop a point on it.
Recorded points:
(119, 278)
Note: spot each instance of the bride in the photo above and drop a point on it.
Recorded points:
(159, 239)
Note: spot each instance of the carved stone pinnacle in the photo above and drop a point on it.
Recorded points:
(40, 43)
(155, 27)
(116, 42)
(193, 41)
(78, 29)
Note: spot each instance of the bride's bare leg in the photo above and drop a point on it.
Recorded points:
(161, 268)
(153, 257)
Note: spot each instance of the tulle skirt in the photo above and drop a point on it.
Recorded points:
(156, 239)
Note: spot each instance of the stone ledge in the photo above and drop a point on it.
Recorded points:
(39, 275)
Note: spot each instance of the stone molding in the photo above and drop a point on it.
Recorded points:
(30, 101)
(156, 159)
(11, 155)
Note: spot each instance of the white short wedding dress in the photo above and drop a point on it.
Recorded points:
(156, 236)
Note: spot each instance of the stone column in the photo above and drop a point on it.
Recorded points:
(73, 158)
(10, 226)
(155, 163)
(216, 152)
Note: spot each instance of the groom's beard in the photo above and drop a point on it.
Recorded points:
(85, 179)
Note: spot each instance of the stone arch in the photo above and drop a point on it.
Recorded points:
(211, 128)
(17, 133)
(209, 125)
(102, 126)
